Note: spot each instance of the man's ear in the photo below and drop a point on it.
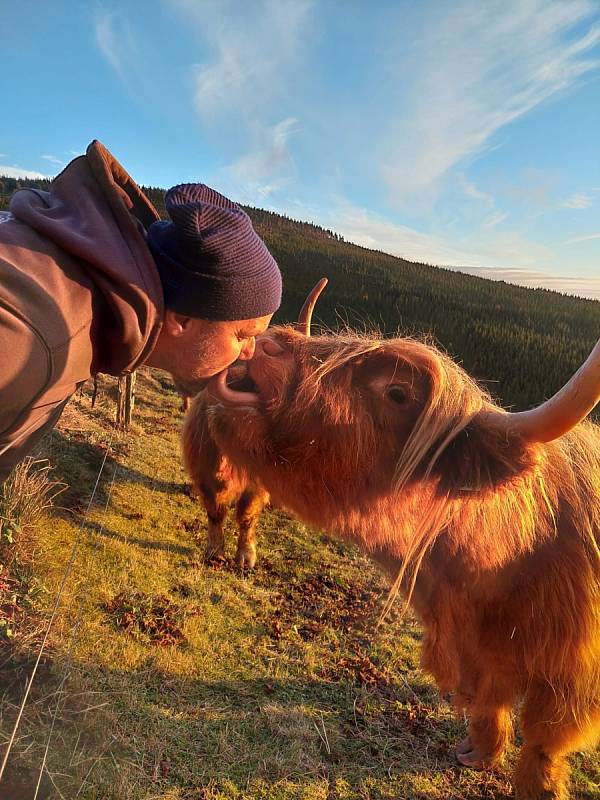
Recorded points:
(483, 456)
(176, 324)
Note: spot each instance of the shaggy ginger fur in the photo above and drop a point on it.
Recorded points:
(220, 485)
(493, 541)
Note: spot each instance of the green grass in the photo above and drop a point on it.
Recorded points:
(278, 686)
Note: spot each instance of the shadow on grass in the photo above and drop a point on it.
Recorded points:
(258, 738)
(77, 463)
(146, 544)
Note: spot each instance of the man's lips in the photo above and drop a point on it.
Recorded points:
(237, 392)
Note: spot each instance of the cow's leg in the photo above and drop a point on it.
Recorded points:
(462, 670)
(487, 697)
(551, 723)
(249, 507)
(489, 734)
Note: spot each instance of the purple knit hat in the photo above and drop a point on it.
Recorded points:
(211, 261)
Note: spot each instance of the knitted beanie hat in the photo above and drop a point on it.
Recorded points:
(211, 262)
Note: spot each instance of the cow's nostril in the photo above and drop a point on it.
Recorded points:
(271, 348)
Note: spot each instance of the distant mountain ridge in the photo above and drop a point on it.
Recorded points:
(523, 343)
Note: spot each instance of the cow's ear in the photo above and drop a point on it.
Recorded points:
(483, 456)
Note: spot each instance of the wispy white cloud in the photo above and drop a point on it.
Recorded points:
(578, 201)
(360, 226)
(567, 284)
(495, 219)
(368, 229)
(578, 239)
(250, 51)
(491, 215)
(115, 39)
(476, 70)
(14, 171)
(53, 159)
(130, 57)
(474, 193)
(250, 56)
(266, 169)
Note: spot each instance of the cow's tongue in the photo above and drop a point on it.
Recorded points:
(237, 393)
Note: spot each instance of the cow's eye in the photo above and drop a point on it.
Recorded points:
(272, 347)
(397, 394)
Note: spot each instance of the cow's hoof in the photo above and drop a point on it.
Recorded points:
(464, 746)
(470, 756)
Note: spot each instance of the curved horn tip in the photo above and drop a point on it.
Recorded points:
(564, 410)
(305, 316)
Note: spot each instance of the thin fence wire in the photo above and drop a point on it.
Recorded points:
(65, 577)
(74, 637)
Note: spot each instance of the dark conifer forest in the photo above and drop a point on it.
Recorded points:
(522, 343)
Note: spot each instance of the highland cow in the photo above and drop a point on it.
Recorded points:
(487, 521)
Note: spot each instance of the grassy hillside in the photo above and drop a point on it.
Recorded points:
(172, 679)
(523, 343)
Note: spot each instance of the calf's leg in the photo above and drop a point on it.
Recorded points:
(216, 503)
(248, 509)
(211, 474)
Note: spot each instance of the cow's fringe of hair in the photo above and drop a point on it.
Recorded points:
(348, 350)
(427, 531)
(454, 401)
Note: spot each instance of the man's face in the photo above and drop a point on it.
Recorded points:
(200, 348)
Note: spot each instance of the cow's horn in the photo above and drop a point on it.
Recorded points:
(305, 316)
(565, 409)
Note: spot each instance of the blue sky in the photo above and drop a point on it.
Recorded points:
(457, 133)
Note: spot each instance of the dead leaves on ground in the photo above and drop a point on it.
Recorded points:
(157, 617)
(314, 606)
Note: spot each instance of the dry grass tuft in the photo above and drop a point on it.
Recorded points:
(25, 497)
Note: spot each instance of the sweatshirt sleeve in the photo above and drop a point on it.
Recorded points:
(11, 457)
(25, 369)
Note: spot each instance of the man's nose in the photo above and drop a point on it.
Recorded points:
(247, 350)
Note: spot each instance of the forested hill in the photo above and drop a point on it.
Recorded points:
(524, 343)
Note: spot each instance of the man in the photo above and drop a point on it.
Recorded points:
(92, 281)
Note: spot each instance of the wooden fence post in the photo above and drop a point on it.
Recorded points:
(125, 401)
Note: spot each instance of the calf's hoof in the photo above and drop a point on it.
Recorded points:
(246, 558)
(214, 552)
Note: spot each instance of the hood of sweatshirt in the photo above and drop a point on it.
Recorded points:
(96, 213)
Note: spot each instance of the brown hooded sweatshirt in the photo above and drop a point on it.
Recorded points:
(79, 293)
